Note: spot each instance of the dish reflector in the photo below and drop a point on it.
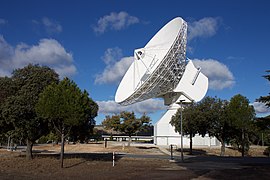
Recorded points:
(158, 67)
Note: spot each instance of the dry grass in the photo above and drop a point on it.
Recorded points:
(93, 165)
(254, 151)
(99, 147)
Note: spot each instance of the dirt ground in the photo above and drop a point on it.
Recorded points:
(93, 161)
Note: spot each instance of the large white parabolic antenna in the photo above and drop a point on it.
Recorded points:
(160, 70)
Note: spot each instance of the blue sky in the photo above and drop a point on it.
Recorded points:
(92, 42)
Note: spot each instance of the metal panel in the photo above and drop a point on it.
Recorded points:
(167, 75)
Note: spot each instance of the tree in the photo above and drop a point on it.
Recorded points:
(215, 120)
(190, 116)
(241, 115)
(6, 90)
(19, 108)
(265, 99)
(65, 106)
(126, 122)
(262, 125)
(84, 130)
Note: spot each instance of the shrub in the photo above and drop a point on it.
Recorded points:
(267, 151)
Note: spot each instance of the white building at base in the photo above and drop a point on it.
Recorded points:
(165, 135)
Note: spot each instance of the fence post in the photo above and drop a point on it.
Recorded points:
(171, 147)
(113, 164)
(105, 144)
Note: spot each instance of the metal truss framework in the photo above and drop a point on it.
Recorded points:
(167, 75)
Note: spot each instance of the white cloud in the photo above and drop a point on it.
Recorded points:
(48, 25)
(148, 106)
(115, 68)
(260, 107)
(114, 73)
(111, 55)
(51, 26)
(219, 75)
(47, 52)
(2, 21)
(115, 21)
(205, 27)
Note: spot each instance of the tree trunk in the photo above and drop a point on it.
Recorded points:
(262, 140)
(243, 143)
(190, 144)
(129, 140)
(222, 149)
(29, 147)
(62, 148)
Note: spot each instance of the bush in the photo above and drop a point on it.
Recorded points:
(267, 151)
(236, 145)
(49, 137)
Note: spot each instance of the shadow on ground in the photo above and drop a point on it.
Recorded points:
(216, 167)
(142, 147)
(194, 151)
(84, 156)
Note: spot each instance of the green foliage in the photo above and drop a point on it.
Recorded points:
(190, 119)
(190, 116)
(227, 121)
(263, 123)
(112, 122)
(97, 134)
(7, 88)
(241, 115)
(265, 99)
(262, 130)
(216, 120)
(18, 109)
(267, 151)
(208, 116)
(65, 106)
(126, 122)
(240, 112)
(49, 138)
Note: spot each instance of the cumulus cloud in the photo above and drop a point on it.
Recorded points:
(49, 25)
(116, 66)
(111, 55)
(114, 73)
(47, 52)
(115, 21)
(148, 106)
(260, 107)
(219, 75)
(205, 27)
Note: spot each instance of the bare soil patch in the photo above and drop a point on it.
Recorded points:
(83, 168)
